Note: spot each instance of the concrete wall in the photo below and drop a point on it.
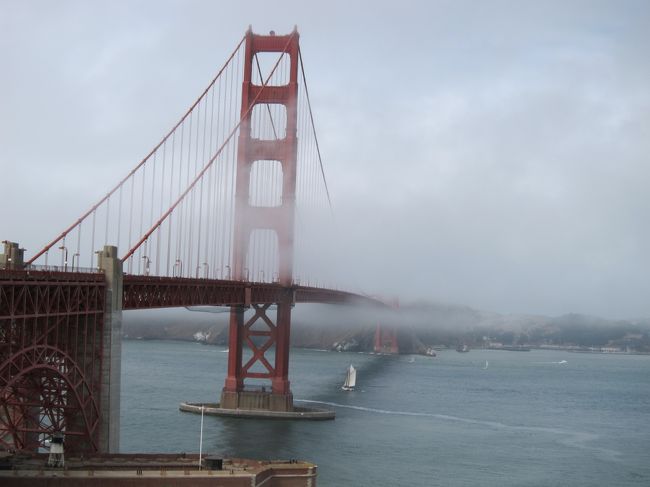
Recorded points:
(110, 263)
(12, 258)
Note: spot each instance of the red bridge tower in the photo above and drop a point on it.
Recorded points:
(386, 340)
(259, 332)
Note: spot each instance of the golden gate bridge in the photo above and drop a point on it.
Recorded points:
(220, 212)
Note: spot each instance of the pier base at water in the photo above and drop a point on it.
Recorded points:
(257, 400)
(215, 409)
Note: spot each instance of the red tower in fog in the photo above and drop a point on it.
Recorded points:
(386, 340)
(259, 332)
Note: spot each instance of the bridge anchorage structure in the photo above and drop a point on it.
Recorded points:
(59, 355)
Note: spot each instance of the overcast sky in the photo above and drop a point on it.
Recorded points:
(488, 153)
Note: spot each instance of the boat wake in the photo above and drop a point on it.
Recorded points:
(576, 439)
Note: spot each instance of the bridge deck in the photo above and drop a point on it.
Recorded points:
(142, 292)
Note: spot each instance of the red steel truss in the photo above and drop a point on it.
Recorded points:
(144, 292)
(50, 358)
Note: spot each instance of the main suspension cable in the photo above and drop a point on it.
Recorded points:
(313, 126)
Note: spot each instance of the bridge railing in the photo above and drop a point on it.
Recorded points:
(52, 268)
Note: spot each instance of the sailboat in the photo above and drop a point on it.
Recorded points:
(350, 379)
(486, 365)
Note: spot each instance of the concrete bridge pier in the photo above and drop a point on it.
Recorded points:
(109, 435)
(13, 256)
(278, 396)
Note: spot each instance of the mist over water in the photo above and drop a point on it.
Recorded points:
(528, 419)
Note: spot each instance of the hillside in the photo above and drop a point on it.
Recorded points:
(419, 325)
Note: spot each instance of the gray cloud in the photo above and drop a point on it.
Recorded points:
(487, 153)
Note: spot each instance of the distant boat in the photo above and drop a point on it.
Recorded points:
(462, 348)
(512, 348)
(486, 365)
(350, 379)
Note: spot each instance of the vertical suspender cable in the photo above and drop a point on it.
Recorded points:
(209, 221)
(179, 228)
(144, 176)
(231, 185)
(187, 264)
(131, 219)
(313, 126)
(162, 191)
(119, 218)
(108, 213)
(78, 250)
(92, 240)
(171, 198)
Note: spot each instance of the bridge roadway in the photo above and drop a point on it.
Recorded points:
(143, 292)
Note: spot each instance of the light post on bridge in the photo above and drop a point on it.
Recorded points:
(206, 266)
(228, 275)
(178, 265)
(147, 260)
(76, 254)
(64, 257)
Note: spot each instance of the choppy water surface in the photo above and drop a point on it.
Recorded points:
(529, 418)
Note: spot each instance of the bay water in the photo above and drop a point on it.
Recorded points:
(483, 418)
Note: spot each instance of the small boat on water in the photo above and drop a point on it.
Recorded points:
(350, 379)
(510, 348)
(486, 365)
(463, 348)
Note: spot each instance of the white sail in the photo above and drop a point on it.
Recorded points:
(350, 379)
(353, 376)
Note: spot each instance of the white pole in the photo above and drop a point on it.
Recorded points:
(201, 439)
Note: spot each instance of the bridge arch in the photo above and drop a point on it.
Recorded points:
(45, 391)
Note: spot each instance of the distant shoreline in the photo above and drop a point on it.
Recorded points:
(559, 348)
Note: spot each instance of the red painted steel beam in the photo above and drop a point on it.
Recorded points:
(50, 358)
(143, 292)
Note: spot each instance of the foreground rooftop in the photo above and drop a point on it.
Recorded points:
(152, 470)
